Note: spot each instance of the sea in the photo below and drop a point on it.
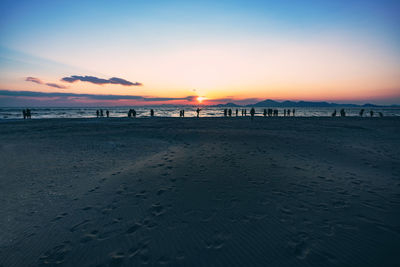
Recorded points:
(190, 111)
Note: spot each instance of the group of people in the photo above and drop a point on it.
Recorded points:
(26, 113)
(132, 113)
(100, 113)
(182, 113)
(361, 113)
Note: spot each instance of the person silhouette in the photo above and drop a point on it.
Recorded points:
(198, 112)
(183, 113)
(334, 113)
(230, 112)
(245, 112)
(342, 113)
(288, 112)
(151, 113)
(371, 113)
(293, 112)
(284, 112)
(107, 113)
(380, 114)
(101, 113)
(265, 112)
(252, 112)
(133, 113)
(237, 112)
(225, 112)
(97, 113)
(361, 112)
(28, 113)
(24, 113)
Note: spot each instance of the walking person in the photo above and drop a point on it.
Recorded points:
(198, 112)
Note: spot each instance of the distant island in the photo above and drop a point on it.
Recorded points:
(299, 104)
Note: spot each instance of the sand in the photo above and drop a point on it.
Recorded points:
(200, 192)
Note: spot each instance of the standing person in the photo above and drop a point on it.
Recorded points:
(97, 113)
(101, 113)
(28, 114)
(371, 113)
(334, 113)
(151, 113)
(284, 112)
(198, 112)
(361, 112)
(265, 112)
(252, 112)
(183, 113)
(245, 112)
(129, 113)
(225, 112)
(230, 112)
(24, 113)
(108, 113)
(134, 113)
(293, 112)
(242, 112)
(288, 112)
(342, 113)
(237, 112)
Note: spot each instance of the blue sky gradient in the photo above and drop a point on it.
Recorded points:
(106, 38)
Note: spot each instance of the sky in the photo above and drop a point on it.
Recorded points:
(186, 52)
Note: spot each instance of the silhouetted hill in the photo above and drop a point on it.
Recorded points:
(299, 104)
(227, 105)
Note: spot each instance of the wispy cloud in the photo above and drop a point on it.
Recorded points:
(100, 81)
(38, 81)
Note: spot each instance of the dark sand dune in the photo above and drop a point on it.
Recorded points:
(200, 192)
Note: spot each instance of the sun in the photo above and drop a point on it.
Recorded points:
(201, 98)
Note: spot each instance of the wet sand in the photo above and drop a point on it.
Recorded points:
(200, 192)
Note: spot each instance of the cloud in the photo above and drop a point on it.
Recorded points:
(9, 93)
(38, 81)
(95, 80)
(56, 85)
(34, 80)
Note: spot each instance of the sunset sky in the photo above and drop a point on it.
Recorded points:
(154, 52)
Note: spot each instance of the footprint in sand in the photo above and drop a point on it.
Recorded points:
(89, 236)
(59, 217)
(55, 255)
(132, 229)
(157, 209)
(116, 259)
(217, 242)
(141, 251)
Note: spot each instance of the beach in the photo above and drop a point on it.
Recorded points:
(286, 191)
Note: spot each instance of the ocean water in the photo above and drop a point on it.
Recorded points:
(173, 111)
